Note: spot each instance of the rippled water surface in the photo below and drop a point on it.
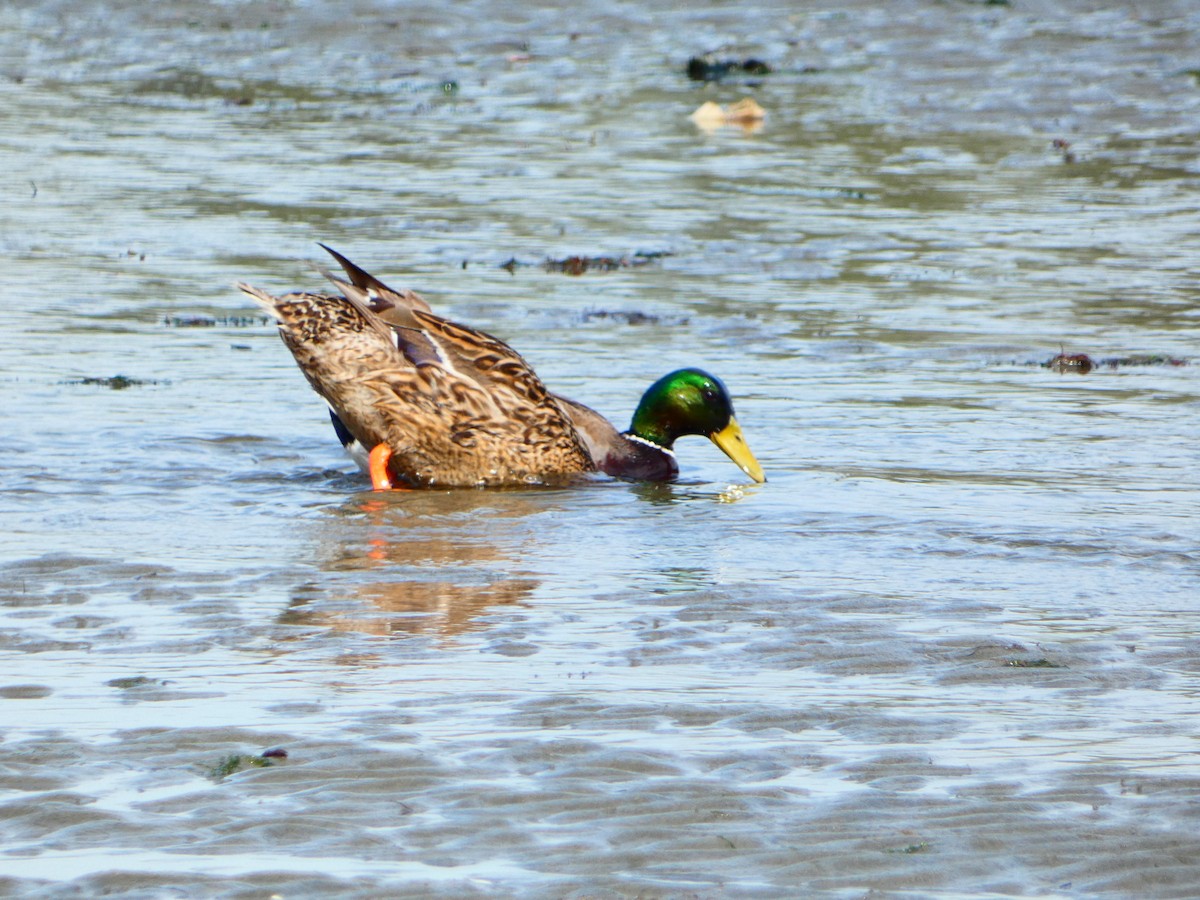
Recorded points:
(949, 649)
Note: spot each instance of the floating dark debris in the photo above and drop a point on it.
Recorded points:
(1118, 362)
(1078, 362)
(236, 762)
(577, 265)
(183, 82)
(1042, 663)
(1064, 148)
(1081, 363)
(116, 382)
(709, 68)
(213, 321)
(632, 317)
(132, 681)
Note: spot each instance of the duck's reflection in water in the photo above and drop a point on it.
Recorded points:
(411, 607)
(420, 562)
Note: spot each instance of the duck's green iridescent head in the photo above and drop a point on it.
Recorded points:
(690, 401)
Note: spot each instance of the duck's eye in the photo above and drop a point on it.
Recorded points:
(709, 395)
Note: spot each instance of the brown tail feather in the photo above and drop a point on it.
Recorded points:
(382, 297)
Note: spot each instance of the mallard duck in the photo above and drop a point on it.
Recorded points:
(422, 401)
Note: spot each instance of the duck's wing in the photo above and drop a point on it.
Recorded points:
(599, 435)
(466, 352)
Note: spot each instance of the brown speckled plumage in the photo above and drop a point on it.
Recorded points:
(457, 407)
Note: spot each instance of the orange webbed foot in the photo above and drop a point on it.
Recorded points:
(380, 456)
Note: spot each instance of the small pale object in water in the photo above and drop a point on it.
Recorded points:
(731, 494)
(746, 113)
(709, 116)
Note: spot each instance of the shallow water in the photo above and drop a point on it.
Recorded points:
(947, 650)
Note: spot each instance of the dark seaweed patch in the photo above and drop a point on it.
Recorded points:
(709, 68)
(132, 681)
(577, 265)
(1082, 363)
(1040, 663)
(1077, 362)
(214, 321)
(116, 382)
(632, 317)
(238, 762)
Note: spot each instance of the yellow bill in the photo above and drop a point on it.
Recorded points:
(730, 440)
